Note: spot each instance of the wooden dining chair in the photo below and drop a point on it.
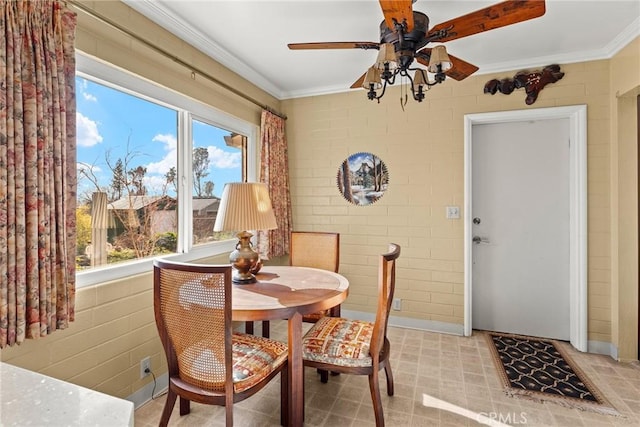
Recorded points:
(207, 362)
(357, 347)
(316, 249)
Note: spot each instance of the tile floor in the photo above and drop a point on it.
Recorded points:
(456, 371)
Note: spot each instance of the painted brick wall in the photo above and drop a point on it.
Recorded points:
(423, 149)
(114, 327)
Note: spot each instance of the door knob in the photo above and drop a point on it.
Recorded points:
(476, 220)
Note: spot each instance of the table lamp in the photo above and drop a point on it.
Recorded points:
(244, 206)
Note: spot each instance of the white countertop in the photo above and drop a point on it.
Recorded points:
(31, 399)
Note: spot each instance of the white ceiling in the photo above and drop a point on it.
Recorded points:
(250, 37)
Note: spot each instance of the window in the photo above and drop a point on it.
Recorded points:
(217, 159)
(151, 168)
(127, 177)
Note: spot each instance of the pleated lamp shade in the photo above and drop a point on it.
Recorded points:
(245, 206)
(440, 57)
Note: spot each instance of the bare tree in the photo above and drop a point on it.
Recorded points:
(137, 215)
(171, 178)
(87, 171)
(208, 189)
(137, 180)
(200, 168)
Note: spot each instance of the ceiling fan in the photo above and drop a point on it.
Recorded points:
(405, 33)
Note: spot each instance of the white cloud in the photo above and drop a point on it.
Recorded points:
(87, 134)
(169, 140)
(86, 95)
(222, 159)
(169, 160)
(154, 184)
(218, 159)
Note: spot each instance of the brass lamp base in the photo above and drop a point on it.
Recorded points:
(243, 259)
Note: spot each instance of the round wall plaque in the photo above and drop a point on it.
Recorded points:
(363, 178)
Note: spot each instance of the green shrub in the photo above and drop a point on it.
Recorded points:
(120, 255)
(167, 242)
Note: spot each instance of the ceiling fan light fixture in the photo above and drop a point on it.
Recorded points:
(404, 33)
(439, 61)
(420, 79)
(372, 78)
(387, 57)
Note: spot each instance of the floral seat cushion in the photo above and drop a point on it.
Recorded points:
(254, 358)
(314, 317)
(338, 341)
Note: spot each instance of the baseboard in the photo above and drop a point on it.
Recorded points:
(596, 347)
(143, 395)
(600, 347)
(409, 323)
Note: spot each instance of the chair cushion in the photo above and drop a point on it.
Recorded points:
(338, 341)
(254, 358)
(314, 317)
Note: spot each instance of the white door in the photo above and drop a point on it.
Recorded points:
(520, 211)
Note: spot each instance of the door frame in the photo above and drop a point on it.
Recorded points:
(577, 116)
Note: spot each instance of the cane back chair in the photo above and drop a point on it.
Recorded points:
(314, 249)
(207, 362)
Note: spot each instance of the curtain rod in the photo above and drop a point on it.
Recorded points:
(174, 58)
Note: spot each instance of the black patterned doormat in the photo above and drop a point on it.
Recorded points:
(540, 370)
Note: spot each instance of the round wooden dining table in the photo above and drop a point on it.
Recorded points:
(284, 292)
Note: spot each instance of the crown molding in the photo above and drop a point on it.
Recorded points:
(180, 28)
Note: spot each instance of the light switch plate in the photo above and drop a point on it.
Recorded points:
(453, 212)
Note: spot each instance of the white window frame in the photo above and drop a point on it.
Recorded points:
(188, 109)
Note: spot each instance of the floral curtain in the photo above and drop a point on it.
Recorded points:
(37, 169)
(274, 171)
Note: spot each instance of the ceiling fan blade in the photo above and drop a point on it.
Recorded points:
(358, 83)
(459, 70)
(496, 16)
(334, 45)
(401, 10)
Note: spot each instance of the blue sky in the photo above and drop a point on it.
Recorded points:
(110, 124)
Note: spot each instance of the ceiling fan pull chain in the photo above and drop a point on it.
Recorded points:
(403, 88)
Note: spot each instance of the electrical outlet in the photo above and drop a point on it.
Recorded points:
(145, 367)
(397, 304)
